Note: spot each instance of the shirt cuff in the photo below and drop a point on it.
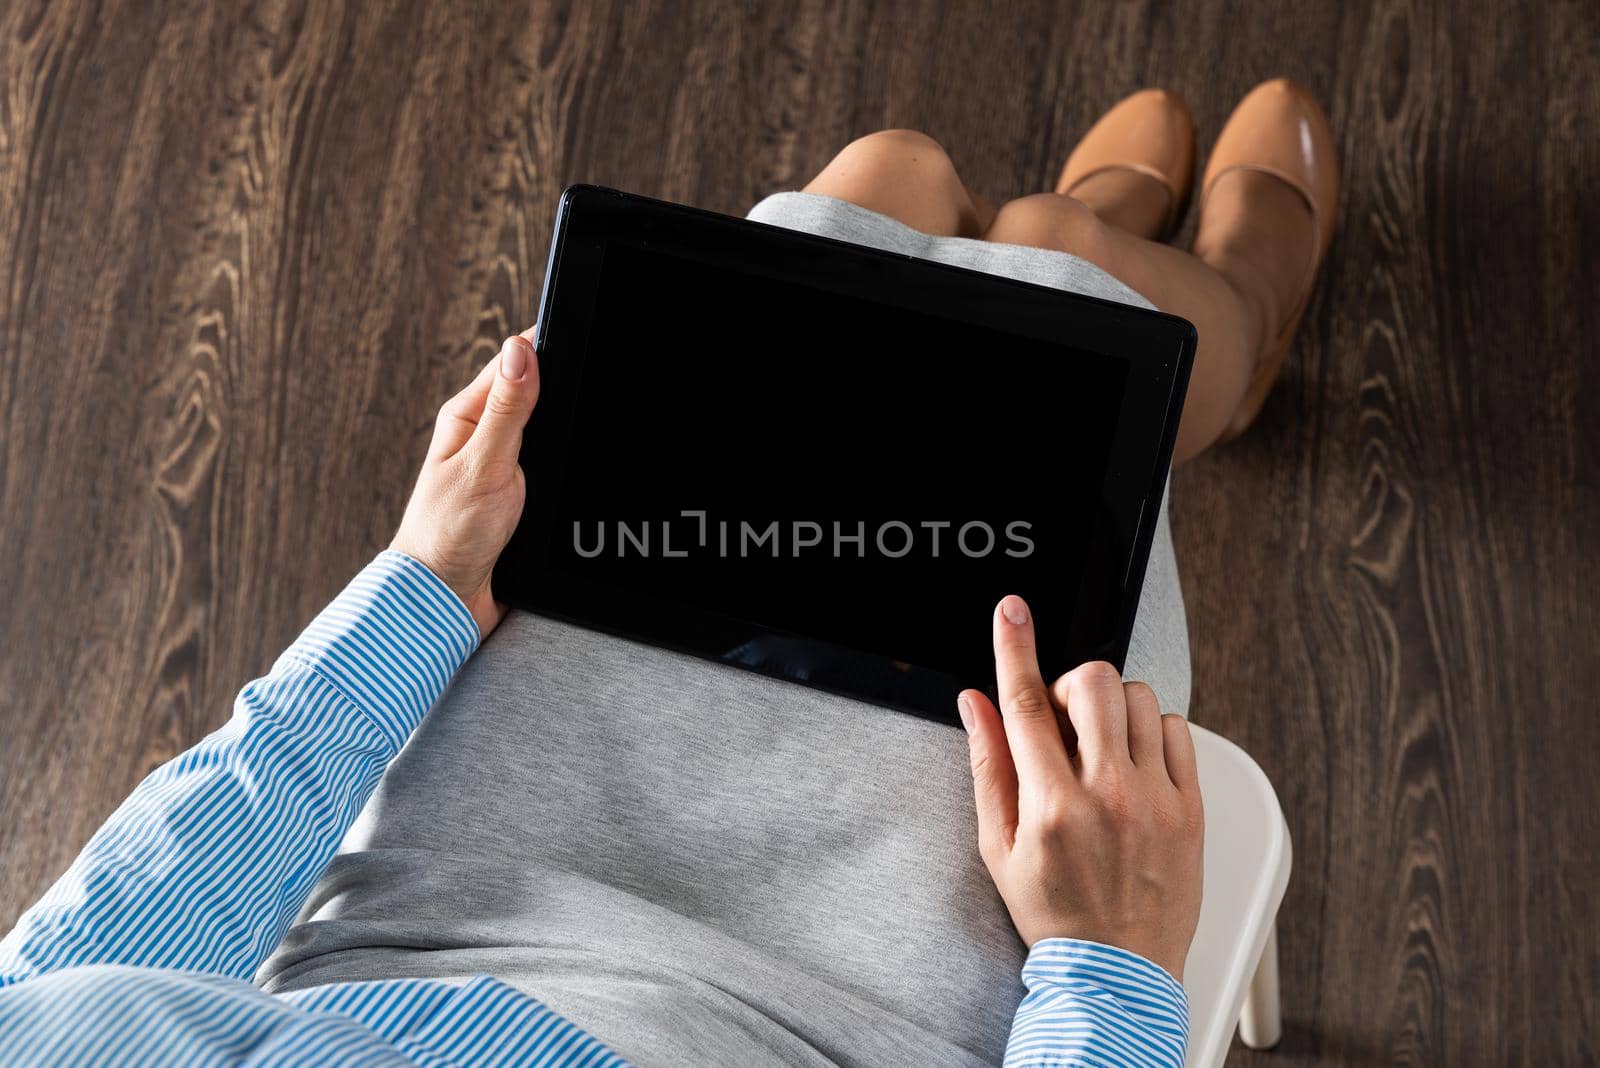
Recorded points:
(390, 643)
(1118, 986)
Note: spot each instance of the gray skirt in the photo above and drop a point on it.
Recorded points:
(697, 864)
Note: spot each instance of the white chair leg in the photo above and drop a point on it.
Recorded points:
(1261, 1022)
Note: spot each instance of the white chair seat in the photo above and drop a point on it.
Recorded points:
(1232, 971)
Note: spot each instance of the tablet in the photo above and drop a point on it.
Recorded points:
(828, 463)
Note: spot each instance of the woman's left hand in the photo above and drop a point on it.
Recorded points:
(469, 496)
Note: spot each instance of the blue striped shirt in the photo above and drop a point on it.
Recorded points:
(142, 953)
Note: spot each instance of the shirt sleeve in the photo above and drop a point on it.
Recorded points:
(1093, 1004)
(207, 863)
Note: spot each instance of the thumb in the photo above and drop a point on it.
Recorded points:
(498, 436)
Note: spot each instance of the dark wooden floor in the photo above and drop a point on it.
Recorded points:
(245, 250)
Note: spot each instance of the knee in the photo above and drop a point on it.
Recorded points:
(1049, 220)
(898, 147)
(905, 159)
(903, 174)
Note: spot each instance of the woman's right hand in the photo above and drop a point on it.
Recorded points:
(1103, 843)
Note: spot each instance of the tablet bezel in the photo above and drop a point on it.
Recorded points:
(1159, 349)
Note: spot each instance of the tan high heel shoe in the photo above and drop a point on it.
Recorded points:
(1278, 129)
(1150, 133)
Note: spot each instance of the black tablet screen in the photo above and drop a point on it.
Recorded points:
(842, 472)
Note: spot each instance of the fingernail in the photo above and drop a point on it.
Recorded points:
(964, 707)
(1014, 609)
(514, 359)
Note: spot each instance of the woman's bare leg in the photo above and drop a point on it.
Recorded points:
(1235, 295)
(907, 176)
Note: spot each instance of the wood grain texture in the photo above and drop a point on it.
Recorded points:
(247, 249)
